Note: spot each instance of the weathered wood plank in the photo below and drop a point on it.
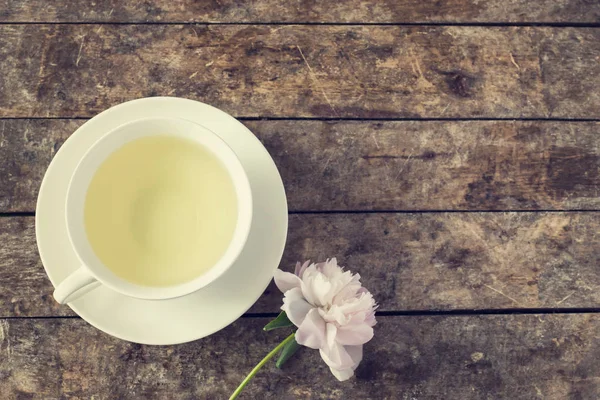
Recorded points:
(352, 11)
(304, 71)
(407, 165)
(486, 357)
(409, 261)
(25, 288)
(26, 149)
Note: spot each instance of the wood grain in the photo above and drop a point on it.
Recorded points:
(361, 165)
(456, 358)
(349, 11)
(304, 71)
(440, 261)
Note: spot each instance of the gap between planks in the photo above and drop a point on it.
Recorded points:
(337, 212)
(406, 313)
(305, 23)
(349, 119)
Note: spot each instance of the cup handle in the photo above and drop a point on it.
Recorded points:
(76, 285)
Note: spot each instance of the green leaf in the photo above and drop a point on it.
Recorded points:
(288, 351)
(281, 321)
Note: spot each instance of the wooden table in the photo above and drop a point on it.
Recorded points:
(448, 151)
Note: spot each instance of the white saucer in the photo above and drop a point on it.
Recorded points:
(201, 313)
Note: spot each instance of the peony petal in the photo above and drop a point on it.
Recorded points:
(330, 268)
(312, 331)
(295, 306)
(301, 268)
(355, 353)
(370, 318)
(321, 288)
(320, 266)
(363, 305)
(331, 333)
(342, 374)
(334, 272)
(338, 315)
(354, 335)
(286, 280)
(350, 289)
(307, 285)
(322, 284)
(336, 356)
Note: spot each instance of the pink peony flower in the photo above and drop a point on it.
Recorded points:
(332, 311)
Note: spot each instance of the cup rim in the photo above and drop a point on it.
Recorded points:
(187, 129)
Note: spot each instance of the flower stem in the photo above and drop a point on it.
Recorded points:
(260, 365)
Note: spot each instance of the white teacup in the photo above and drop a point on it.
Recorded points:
(93, 271)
